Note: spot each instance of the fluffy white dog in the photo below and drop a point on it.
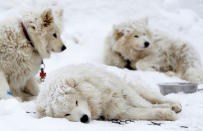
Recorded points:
(24, 43)
(87, 92)
(136, 46)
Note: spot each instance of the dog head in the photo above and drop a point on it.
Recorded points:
(134, 35)
(78, 110)
(45, 31)
(66, 102)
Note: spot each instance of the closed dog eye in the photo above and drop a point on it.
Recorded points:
(136, 36)
(67, 115)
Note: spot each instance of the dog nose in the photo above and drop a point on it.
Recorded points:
(84, 119)
(63, 48)
(146, 44)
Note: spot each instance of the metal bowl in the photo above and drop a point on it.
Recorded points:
(167, 88)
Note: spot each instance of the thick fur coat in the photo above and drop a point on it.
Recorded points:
(19, 59)
(88, 92)
(136, 46)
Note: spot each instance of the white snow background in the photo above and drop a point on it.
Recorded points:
(87, 23)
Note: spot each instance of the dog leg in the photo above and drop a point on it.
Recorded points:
(148, 114)
(155, 97)
(4, 87)
(118, 108)
(193, 75)
(32, 87)
(147, 63)
(135, 99)
(113, 58)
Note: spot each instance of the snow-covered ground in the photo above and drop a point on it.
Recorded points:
(87, 22)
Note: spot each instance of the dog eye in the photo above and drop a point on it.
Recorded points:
(136, 36)
(55, 35)
(33, 27)
(67, 115)
(76, 103)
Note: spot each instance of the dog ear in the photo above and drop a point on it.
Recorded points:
(47, 17)
(144, 20)
(117, 33)
(59, 12)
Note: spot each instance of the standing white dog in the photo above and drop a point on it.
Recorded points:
(24, 43)
(136, 46)
(87, 92)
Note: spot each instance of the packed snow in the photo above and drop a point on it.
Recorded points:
(86, 24)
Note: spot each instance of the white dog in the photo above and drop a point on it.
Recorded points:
(24, 43)
(136, 46)
(87, 92)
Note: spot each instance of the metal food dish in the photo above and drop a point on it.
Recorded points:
(167, 88)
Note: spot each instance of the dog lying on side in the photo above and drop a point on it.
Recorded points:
(87, 92)
(136, 46)
(24, 43)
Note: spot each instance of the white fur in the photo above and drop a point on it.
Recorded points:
(164, 54)
(100, 93)
(19, 61)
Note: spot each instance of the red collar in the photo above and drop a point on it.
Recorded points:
(42, 74)
(26, 34)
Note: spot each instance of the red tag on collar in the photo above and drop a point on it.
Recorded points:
(42, 75)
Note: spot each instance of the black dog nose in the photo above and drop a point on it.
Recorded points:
(146, 44)
(63, 48)
(84, 119)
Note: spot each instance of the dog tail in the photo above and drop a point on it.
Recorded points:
(194, 75)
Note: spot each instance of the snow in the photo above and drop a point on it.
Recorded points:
(86, 25)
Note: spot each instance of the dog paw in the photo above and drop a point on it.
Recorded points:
(145, 66)
(167, 114)
(5, 96)
(170, 73)
(140, 66)
(176, 107)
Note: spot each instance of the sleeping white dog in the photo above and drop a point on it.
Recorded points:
(86, 92)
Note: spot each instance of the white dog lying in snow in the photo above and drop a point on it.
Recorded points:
(135, 45)
(87, 92)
